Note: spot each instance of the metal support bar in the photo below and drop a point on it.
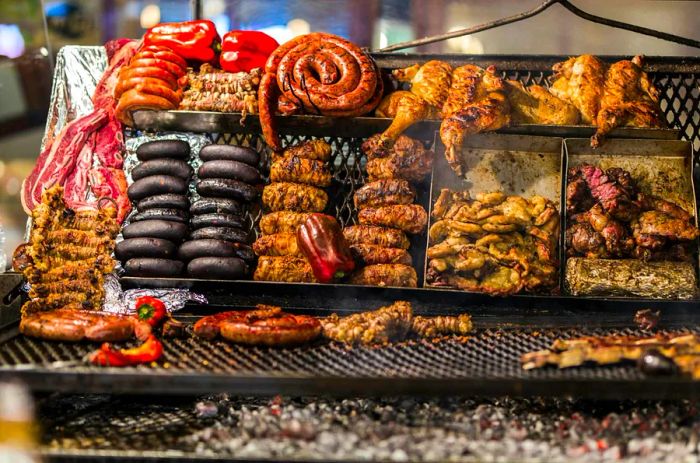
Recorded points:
(535, 11)
(196, 9)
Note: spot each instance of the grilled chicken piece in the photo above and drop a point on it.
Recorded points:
(282, 222)
(279, 244)
(431, 81)
(285, 196)
(476, 103)
(72, 324)
(378, 236)
(405, 109)
(410, 218)
(536, 105)
(284, 268)
(318, 150)
(386, 275)
(300, 170)
(370, 254)
(384, 192)
(389, 323)
(580, 80)
(629, 99)
(407, 159)
(431, 327)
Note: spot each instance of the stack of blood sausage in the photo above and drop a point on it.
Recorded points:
(217, 247)
(159, 192)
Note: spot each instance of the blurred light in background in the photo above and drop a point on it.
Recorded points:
(465, 44)
(150, 16)
(11, 41)
(298, 27)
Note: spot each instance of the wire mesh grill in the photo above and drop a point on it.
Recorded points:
(488, 354)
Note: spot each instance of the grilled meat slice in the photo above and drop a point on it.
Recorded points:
(72, 324)
(370, 254)
(407, 159)
(384, 193)
(386, 275)
(282, 222)
(300, 170)
(383, 325)
(431, 327)
(661, 224)
(279, 244)
(583, 240)
(294, 197)
(410, 218)
(379, 236)
(284, 268)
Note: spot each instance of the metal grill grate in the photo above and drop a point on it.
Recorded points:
(491, 354)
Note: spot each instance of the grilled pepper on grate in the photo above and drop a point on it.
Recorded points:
(245, 50)
(321, 240)
(192, 40)
(150, 351)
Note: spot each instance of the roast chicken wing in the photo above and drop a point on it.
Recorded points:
(476, 102)
(536, 105)
(629, 99)
(579, 80)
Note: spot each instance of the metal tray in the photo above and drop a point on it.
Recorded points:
(660, 168)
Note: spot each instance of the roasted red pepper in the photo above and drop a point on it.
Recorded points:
(151, 310)
(150, 351)
(192, 40)
(242, 51)
(322, 242)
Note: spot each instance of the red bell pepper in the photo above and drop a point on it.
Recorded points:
(242, 51)
(322, 242)
(106, 356)
(192, 40)
(151, 310)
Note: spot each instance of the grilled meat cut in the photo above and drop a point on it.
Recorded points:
(285, 196)
(430, 81)
(266, 325)
(369, 254)
(384, 192)
(580, 81)
(386, 275)
(281, 222)
(68, 254)
(379, 236)
(629, 99)
(278, 244)
(410, 218)
(406, 159)
(315, 150)
(284, 268)
(660, 224)
(300, 170)
(431, 327)
(73, 324)
(386, 324)
(212, 89)
(536, 105)
(476, 103)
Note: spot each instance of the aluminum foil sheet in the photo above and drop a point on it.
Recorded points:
(123, 302)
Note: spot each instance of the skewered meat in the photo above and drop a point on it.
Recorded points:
(278, 244)
(580, 81)
(536, 105)
(410, 218)
(682, 348)
(300, 170)
(476, 103)
(73, 247)
(383, 325)
(267, 325)
(322, 74)
(284, 268)
(407, 159)
(386, 275)
(431, 327)
(370, 254)
(72, 324)
(281, 222)
(212, 89)
(629, 99)
(384, 192)
(379, 236)
(284, 196)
